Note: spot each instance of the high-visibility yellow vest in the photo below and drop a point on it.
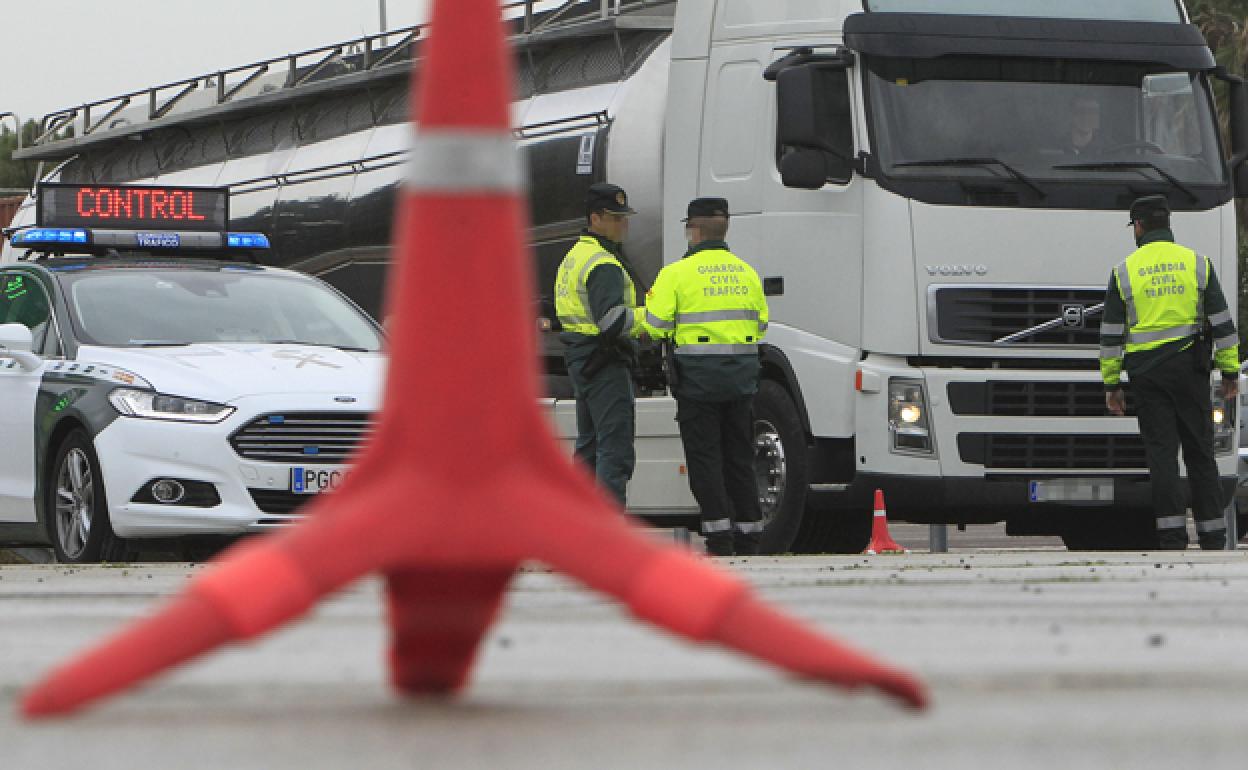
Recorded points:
(572, 293)
(1163, 286)
(710, 303)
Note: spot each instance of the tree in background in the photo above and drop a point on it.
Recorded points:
(1225, 24)
(16, 174)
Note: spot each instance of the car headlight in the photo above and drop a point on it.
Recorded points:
(1223, 422)
(160, 406)
(908, 417)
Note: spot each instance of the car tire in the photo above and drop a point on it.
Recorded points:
(76, 506)
(779, 466)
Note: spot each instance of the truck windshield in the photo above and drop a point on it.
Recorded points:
(1116, 10)
(1049, 122)
(158, 307)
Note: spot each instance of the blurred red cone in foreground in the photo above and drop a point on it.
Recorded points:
(501, 494)
(881, 540)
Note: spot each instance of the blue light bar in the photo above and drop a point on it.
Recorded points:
(42, 236)
(247, 241)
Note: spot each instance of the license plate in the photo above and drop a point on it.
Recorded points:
(1073, 491)
(314, 481)
(158, 240)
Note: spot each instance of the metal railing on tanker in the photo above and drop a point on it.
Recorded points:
(529, 19)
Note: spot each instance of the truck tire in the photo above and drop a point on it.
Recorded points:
(76, 507)
(779, 466)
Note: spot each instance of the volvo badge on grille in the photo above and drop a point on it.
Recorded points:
(1073, 316)
(345, 399)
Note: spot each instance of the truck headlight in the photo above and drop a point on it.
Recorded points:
(908, 421)
(160, 406)
(1223, 422)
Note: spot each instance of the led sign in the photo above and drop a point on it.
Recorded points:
(133, 207)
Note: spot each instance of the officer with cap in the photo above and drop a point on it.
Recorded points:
(1158, 302)
(597, 308)
(711, 304)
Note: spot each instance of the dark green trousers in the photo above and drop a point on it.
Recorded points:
(718, 437)
(605, 424)
(1175, 410)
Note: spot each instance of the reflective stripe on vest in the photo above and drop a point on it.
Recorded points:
(1163, 286)
(572, 292)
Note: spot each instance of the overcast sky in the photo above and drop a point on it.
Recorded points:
(59, 53)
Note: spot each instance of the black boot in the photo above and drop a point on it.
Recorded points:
(719, 544)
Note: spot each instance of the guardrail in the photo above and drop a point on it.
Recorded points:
(364, 54)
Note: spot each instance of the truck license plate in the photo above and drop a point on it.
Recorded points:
(1073, 491)
(314, 481)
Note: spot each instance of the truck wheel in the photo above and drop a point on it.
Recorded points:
(779, 466)
(1241, 523)
(76, 508)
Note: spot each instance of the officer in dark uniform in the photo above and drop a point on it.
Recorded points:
(712, 305)
(597, 308)
(1158, 302)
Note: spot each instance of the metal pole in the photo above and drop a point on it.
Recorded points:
(1232, 526)
(381, 7)
(938, 539)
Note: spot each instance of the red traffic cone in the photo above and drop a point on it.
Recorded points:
(881, 540)
(479, 507)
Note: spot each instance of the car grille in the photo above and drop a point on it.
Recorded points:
(279, 501)
(985, 315)
(1029, 399)
(306, 437)
(1053, 451)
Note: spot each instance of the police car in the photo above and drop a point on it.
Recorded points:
(156, 385)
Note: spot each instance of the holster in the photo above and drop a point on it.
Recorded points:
(669, 365)
(1203, 354)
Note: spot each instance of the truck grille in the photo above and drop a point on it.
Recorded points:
(985, 315)
(1053, 451)
(305, 437)
(1029, 399)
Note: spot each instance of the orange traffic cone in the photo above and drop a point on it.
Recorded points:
(881, 541)
(470, 514)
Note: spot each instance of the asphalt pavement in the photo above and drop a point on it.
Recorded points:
(1036, 658)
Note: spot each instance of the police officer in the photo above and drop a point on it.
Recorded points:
(712, 305)
(1158, 301)
(597, 307)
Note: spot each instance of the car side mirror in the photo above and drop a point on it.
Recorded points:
(16, 344)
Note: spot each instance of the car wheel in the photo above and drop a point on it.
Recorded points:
(779, 466)
(77, 508)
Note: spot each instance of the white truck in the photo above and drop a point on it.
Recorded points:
(934, 190)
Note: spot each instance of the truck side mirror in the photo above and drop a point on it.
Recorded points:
(814, 117)
(1239, 130)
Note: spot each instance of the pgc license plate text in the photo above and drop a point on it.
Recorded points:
(314, 481)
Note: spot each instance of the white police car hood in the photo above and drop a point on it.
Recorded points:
(225, 372)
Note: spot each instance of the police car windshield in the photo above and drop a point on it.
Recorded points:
(156, 307)
(1043, 118)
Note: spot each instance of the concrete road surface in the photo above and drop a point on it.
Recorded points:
(1037, 660)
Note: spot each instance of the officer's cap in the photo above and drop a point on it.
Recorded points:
(607, 197)
(1149, 208)
(707, 207)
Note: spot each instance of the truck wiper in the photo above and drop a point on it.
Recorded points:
(1131, 165)
(158, 344)
(1018, 175)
